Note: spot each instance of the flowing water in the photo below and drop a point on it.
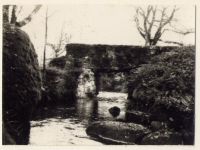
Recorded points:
(67, 125)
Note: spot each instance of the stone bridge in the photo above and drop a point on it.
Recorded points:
(87, 63)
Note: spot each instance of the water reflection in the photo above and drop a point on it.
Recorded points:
(67, 125)
(87, 109)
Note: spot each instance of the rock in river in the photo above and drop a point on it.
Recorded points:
(113, 132)
(114, 111)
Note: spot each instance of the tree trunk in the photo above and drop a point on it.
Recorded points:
(5, 14)
(13, 17)
(45, 44)
(29, 17)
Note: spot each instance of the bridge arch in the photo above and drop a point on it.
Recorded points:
(90, 61)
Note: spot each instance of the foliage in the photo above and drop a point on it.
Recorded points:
(58, 62)
(21, 85)
(60, 86)
(114, 82)
(167, 80)
(53, 85)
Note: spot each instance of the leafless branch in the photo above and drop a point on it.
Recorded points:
(183, 32)
(62, 41)
(19, 10)
(29, 17)
(150, 20)
(172, 42)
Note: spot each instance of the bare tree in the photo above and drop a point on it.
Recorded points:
(15, 10)
(152, 22)
(62, 41)
(56, 47)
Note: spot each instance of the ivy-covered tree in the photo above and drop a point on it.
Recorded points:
(15, 10)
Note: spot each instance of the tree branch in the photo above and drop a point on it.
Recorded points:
(163, 22)
(13, 16)
(183, 32)
(29, 17)
(149, 8)
(150, 20)
(141, 31)
(171, 16)
(172, 42)
(51, 45)
(19, 10)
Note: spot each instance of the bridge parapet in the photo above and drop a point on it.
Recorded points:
(115, 57)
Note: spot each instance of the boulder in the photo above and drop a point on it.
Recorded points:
(114, 111)
(113, 132)
(21, 84)
(162, 138)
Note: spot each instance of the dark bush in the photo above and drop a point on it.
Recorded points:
(21, 84)
(166, 86)
(60, 87)
(54, 86)
(58, 62)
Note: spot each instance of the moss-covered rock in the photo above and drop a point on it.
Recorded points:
(21, 83)
(112, 132)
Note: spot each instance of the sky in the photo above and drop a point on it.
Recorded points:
(97, 24)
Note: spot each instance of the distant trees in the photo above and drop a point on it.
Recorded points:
(59, 47)
(153, 22)
(15, 10)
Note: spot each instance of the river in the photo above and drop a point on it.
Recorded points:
(67, 125)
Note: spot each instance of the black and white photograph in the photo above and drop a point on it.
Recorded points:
(96, 74)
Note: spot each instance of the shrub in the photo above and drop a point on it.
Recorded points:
(58, 62)
(166, 84)
(21, 85)
(60, 86)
